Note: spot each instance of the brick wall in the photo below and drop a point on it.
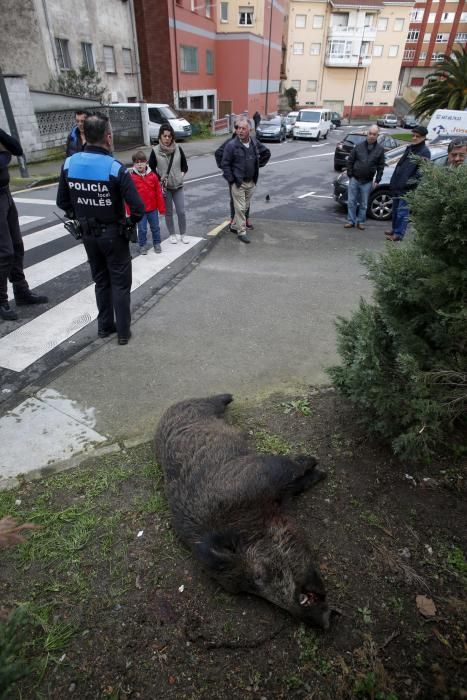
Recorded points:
(152, 23)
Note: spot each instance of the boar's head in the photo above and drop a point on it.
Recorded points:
(276, 565)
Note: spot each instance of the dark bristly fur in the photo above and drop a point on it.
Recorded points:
(226, 506)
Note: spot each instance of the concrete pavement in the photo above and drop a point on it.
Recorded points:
(247, 319)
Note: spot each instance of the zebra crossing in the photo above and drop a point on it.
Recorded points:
(24, 343)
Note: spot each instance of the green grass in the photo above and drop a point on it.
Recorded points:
(297, 406)
(268, 443)
(403, 136)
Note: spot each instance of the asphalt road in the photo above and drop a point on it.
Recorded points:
(295, 186)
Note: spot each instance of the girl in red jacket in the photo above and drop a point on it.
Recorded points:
(149, 189)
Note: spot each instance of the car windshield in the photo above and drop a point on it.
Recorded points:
(290, 120)
(273, 121)
(309, 116)
(390, 116)
(355, 139)
(168, 113)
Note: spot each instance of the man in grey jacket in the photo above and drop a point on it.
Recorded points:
(365, 162)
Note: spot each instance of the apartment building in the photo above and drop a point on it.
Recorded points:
(202, 54)
(346, 54)
(435, 29)
(42, 39)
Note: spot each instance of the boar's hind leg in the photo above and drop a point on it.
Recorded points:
(291, 476)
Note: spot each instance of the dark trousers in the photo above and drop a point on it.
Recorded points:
(110, 261)
(11, 249)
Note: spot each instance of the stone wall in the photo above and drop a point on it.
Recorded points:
(23, 111)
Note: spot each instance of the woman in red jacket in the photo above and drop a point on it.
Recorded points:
(149, 189)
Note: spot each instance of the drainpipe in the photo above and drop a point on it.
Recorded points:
(269, 57)
(136, 50)
(176, 55)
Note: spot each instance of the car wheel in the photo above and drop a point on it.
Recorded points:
(380, 205)
(318, 136)
(325, 135)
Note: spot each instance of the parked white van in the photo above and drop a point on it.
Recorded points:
(312, 124)
(447, 122)
(159, 113)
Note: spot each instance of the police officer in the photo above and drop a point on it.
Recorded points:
(92, 190)
(11, 243)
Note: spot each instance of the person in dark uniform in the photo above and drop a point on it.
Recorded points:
(93, 190)
(11, 243)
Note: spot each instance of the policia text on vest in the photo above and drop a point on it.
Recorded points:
(93, 190)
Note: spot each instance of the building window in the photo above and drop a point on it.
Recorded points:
(413, 35)
(182, 103)
(449, 17)
(209, 62)
(88, 58)
(311, 85)
(210, 99)
(416, 15)
(127, 61)
(387, 85)
(368, 21)
(437, 57)
(298, 48)
(340, 19)
(442, 38)
(461, 37)
(416, 82)
(409, 54)
(427, 37)
(393, 51)
(315, 49)
(318, 21)
(382, 24)
(463, 17)
(371, 86)
(63, 55)
(109, 59)
(208, 8)
(246, 15)
(196, 102)
(432, 18)
(422, 55)
(377, 50)
(189, 59)
(296, 84)
(338, 48)
(399, 24)
(300, 21)
(224, 11)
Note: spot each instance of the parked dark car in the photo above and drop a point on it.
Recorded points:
(409, 121)
(272, 129)
(388, 120)
(352, 139)
(336, 118)
(380, 200)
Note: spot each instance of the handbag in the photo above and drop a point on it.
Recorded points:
(164, 179)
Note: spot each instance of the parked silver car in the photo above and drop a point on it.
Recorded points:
(388, 120)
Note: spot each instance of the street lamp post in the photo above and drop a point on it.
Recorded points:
(359, 64)
(269, 57)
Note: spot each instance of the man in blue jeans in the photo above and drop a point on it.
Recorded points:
(365, 162)
(405, 178)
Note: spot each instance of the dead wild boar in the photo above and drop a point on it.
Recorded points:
(226, 506)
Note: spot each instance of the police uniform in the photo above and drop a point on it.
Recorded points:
(93, 189)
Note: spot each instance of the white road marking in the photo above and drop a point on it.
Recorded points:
(318, 196)
(302, 196)
(52, 429)
(31, 200)
(56, 265)
(23, 220)
(29, 342)
(45, 235)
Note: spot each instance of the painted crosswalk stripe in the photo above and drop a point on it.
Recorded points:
(32, 200)
(56, 265)
(31, 341)
(23, 220)
(32, 240)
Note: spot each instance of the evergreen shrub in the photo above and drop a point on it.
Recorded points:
(404, 355)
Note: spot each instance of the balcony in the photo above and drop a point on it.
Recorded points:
(350, 33)
(347, 61)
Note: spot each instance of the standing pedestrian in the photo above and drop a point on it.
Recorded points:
(405, 178)
(256, 119)
(241, 160)
(76, 140)
(169, 161)
(149, 189)
(457, 152)
(366, 162)
(11, 242)
(218, 156)
(93, 189)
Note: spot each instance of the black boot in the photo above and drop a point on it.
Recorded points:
(7, 313)
(30, 298)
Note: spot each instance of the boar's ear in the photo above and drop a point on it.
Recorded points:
(218, 550)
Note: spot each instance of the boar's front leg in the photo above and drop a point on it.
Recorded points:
(289, 476)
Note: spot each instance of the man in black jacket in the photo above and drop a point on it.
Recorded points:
(365, 162)
(241, 160)
(11, 243)
(405, 178)
(93, 189)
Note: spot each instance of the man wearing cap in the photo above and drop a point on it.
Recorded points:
(405, 178)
